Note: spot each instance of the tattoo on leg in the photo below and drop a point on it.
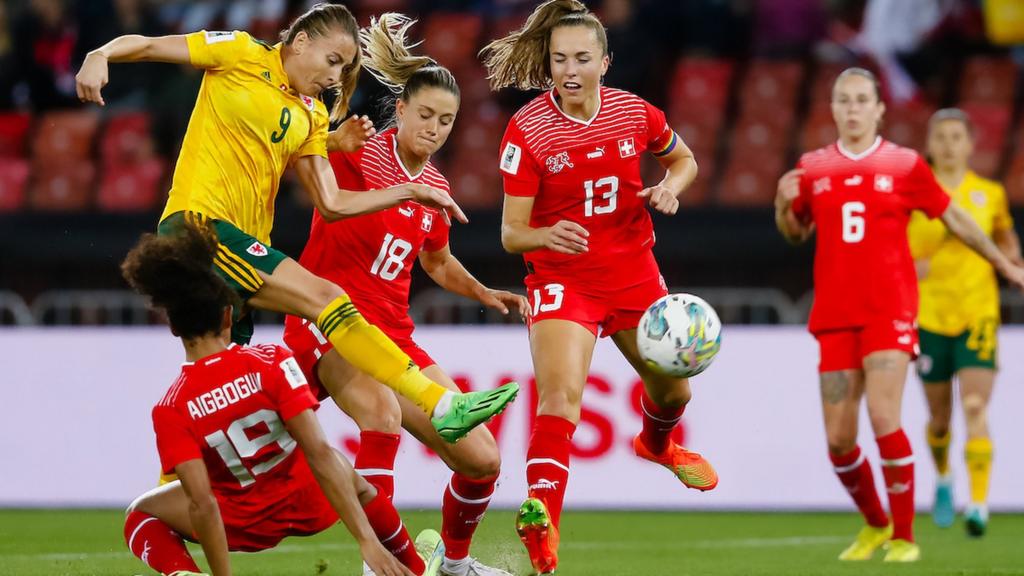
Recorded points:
(881, 363)
(835, 386)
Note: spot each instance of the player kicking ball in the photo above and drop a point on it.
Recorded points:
(238, 429)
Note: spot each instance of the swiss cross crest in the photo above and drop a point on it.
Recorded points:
(257, 249)
(883, 183)
(428, 221)
(559, 161)
(823, 184)
(626, 148)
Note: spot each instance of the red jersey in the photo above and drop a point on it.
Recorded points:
(860, 204)
(371, 256)
(589, 173)
(229, 409)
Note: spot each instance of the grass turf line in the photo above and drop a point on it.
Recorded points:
(90, 542)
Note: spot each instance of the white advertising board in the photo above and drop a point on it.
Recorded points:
(76, 429)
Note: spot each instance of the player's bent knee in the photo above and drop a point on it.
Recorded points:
(974, 406)
(483, 461)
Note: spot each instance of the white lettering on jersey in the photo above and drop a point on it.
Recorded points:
(225, 395)
(626, 148)
(883, 183)
(406, 211)
(292, 373)
(597, 153)
(510, 158)
(215, 37)
(854, 180)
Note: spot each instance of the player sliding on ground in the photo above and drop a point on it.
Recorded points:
(576, 208)
(257, 113)
(858, 194)
(238, 429)
(959, 315)
(372, 257)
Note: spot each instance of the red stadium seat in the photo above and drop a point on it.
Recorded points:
(824, 77)
(13, 176)
(13, 131)
(126, 139)
(63, 186)
(770, 88)
(64, 136)
(819, 130)
(475, 180)
(907, 125)
(130, 187)
(699, 135)
(991, 125)
(699, 82)
(452, 38)
(751, 181)
(988, 80)
(758, 136)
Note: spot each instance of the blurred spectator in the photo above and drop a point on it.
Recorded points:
(44, 44)
(628, 48)
(100, 21)
(895, 27)
(788, 27)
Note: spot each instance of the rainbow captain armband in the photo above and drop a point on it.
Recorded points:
(668, 147)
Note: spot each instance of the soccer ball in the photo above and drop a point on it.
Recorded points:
(679, 335)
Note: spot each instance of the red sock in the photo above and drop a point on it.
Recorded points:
(898, 469)
(156, 544)
(464, 504)
(547, 462)
(388, 527)
(854, 472)
(658, 424)
(375, 460)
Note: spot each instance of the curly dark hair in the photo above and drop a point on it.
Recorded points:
(176, 273)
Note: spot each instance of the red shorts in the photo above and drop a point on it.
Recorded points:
(309, 345)
(845, 349)
(611, 311)
(305, 512)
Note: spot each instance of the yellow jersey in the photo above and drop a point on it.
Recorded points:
(247, 126)
(960, 287)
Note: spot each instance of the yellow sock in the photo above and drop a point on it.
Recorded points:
(167, 478)
(940, 451)
(978, 455)
(370, 350)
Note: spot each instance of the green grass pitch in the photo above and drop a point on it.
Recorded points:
(81, 542)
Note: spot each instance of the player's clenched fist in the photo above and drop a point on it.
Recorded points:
(788, 188)
(661, 199)
(92, 78)
(566, 237)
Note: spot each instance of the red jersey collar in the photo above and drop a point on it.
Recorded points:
(558, 109)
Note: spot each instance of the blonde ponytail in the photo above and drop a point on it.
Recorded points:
(521, 59)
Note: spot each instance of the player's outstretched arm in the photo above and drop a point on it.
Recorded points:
(517, 236)
(960, 223)
(338, 481)
(680, 171)
(93, 75)
(791, 227)
(445, 269)
(205, 515)
(1009, 244)
(318, 178)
